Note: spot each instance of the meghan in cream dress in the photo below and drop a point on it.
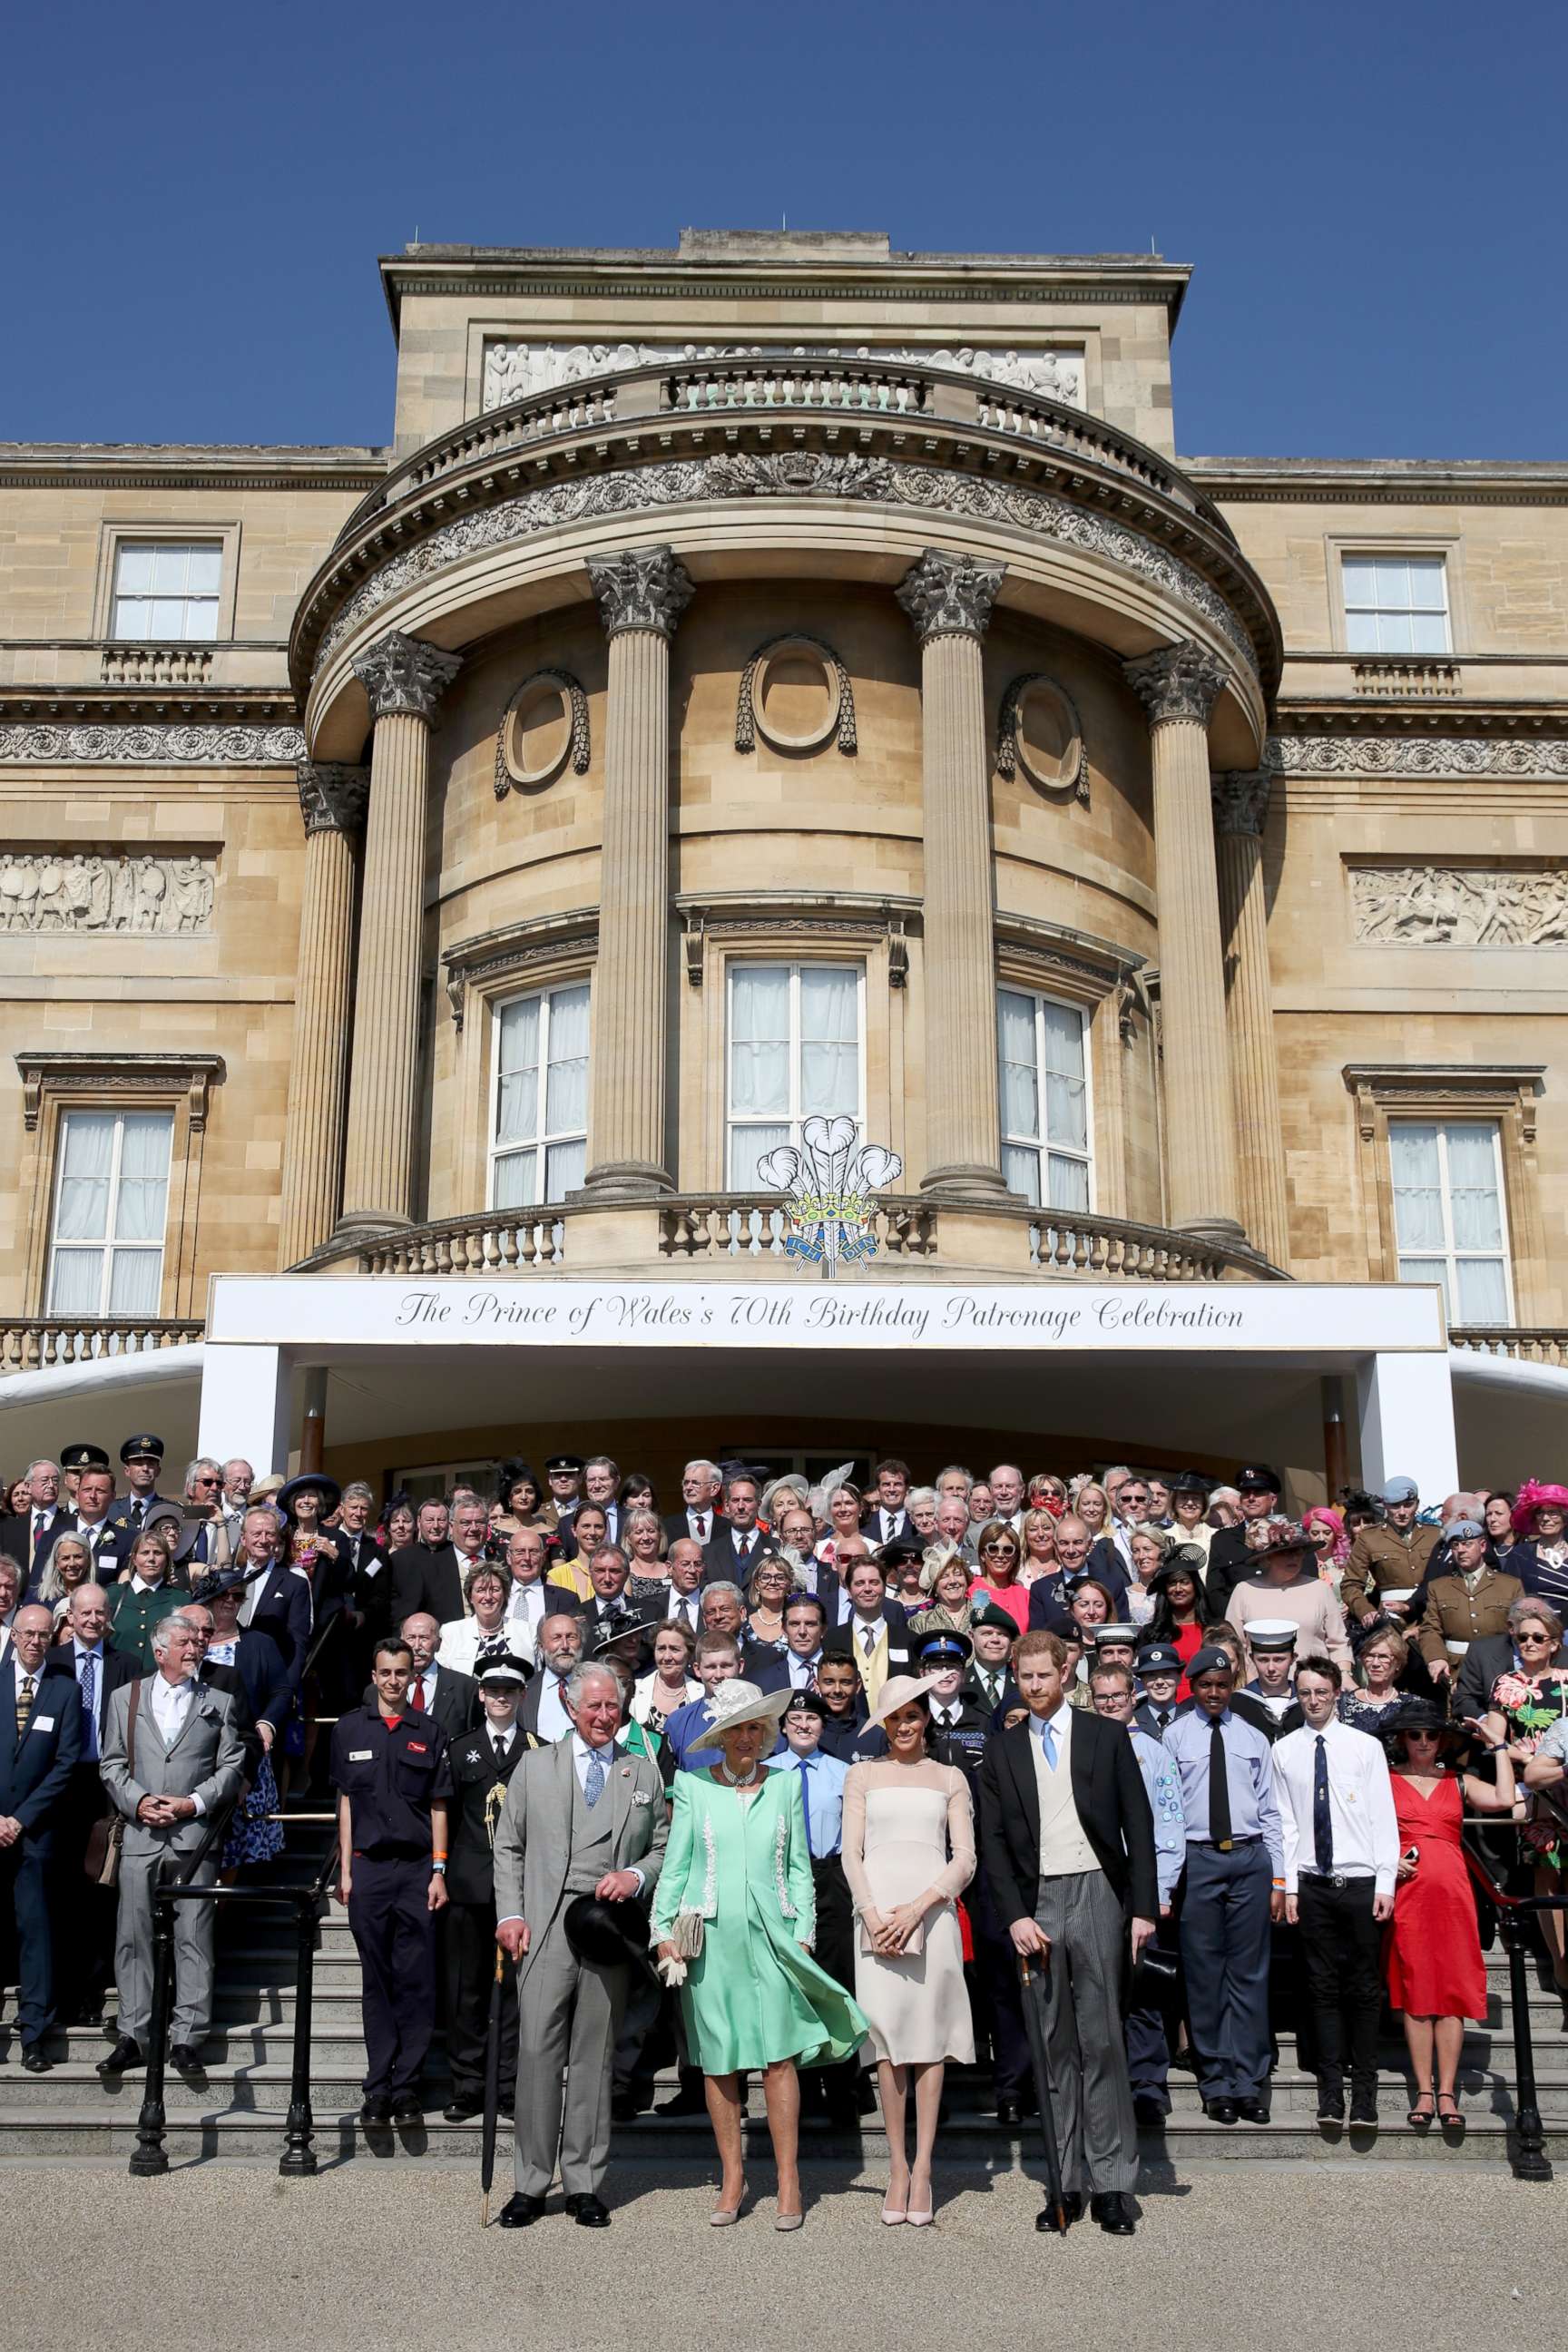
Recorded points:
(909, 1831)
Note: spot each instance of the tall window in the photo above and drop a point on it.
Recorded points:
(1396, 604)
(1449, 1214)
(539, 1122)
(111, 1194)
(166, 591)
(1044, 1100)
(794, 1049)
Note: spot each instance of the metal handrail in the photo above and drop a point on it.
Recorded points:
(149, 2158)
(1513, 1911)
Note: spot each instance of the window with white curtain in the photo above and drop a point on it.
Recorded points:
(539, 1118)
(1448, 1214)
(1044, 1092)
(1397, 603)
(795, 1034)
(111, 1198)
(166, 591)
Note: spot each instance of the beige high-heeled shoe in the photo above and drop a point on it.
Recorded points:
(723, 2216)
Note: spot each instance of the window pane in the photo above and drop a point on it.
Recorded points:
(87, 1154)
(517, 1092)
(1360, 633)
(1360, 580)
(520, 1034)
(1474, 1205)
(143, 1177)
(829, 1040)
(1483, 1290)
(202, 578)
(168, 616)
(1069, 1183)
(747, 1146)
(1425, 1269)
(516, 1175)
(134, 569)
(1019, 1078)
(1430, 633)
(1426, 584)
(133, 617)
(566, 1089)
(171, 568)
(759, 1040)
(517, 1107)
(1021, 1169)
(76, 1282)
(200, 620)
(1066, 1095)
(1396, 633)
(1417, 1195)
(134, 1281)
(564, 1169)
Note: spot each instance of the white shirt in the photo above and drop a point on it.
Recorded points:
(700, 1523)
(1361, 1805)
(554, 1722)
(686, 1607)
(171, 1706)
(527, 1605)
(427, 1683)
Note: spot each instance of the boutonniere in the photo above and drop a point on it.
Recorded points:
(626, 1771)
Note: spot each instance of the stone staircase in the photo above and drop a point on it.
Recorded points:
(238, 2110)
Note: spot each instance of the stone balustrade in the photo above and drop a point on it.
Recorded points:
(740, 1225)
(38, 1343)
(1111, 1249)
(501, 1240)
(1548, 1345)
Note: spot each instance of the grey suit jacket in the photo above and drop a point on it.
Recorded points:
(207, 1760)
(534, 1835)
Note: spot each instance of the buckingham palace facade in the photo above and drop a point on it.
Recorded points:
(774, 676)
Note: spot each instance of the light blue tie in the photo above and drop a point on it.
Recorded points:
(1048, 1743)
(594, 1786)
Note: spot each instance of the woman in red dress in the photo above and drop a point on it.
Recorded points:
(1432, 1955)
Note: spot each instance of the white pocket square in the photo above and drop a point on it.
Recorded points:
(638, 1798)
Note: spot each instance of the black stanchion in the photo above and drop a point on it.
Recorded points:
(149, 2157)
(1530, 2159)
(297, 2161)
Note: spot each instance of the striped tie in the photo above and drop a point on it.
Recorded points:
(24, 1707)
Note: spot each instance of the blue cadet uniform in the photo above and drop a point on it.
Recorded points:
(392, 1770)
(1236, 1851)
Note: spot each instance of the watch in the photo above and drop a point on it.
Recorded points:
(438, 1869)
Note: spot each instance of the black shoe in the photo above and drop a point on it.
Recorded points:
(373, 2112)
(1221, 2111)
(1149, 2112)
(33, 2061)
(1330, 2104)
(186, 2057)
(1364, 2108)
(623, 2108)
(407, 2107)
(589, 2212)
(461, 2108)
(1253, 2111)
(1113, 2211)
(1072, 2210)
(520, 2210)
(686, 2102)
(125, 2054)
(1009, 2114)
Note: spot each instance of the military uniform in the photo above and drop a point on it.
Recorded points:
(1384, 1560)
(391, 1773)
(130, 1511)
(480, 1775)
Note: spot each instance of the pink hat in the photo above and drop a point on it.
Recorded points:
(1530, 1495)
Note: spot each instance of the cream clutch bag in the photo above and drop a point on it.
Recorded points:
(914, 1945)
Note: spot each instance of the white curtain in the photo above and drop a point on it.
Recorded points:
(142, 1207)
(135, 1280)
(87, 1157)
(1066, 1121)
(76, 1282)
(758, 1041)
(1473, 1198)
(749, 1144)
(517, 1091)
(829, 1040)
(1019, 1073)
(1021, 1171)
(1417, 1185)
(566, 1088)
(516, 1178)
(1483, 1291)
(564, 1167)
(1069, 1182)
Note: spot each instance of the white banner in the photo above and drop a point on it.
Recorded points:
(1272, 1318)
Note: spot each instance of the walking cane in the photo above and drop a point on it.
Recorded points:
(492, 2093)
(1034, 2020)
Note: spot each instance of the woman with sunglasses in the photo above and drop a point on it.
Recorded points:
(1000, 1555)
(1433, 1956)
(1525, 1704)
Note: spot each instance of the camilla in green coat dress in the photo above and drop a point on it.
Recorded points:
(738, 1862)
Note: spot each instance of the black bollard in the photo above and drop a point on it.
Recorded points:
(297, 2161)
(1530, 2162)
(149, 2158)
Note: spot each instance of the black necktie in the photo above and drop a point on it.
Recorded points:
(1322, 1819)
(1219, 1791)
(1162, 1717)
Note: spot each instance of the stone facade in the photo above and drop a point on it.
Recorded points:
(638, 658)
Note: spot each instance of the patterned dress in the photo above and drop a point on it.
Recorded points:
(1530, 1704)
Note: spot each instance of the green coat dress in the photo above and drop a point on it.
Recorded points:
(751, 1996)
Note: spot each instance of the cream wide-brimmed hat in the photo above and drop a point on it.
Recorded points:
(896, 1692)
(736, 1703)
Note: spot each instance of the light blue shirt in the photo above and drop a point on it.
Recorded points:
(1249, 1779)
(1163, 1786)
(823, 1797)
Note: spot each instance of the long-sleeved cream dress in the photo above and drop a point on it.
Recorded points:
(907, 1828)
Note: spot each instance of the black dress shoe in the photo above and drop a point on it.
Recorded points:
(186, 2057)
(1072, 2210)
(589, 2212)
(33, 2061)
(1009, 2114)
(1330, 2106)
(1364, 2108)
(1113, 2211)
(125, 2054)
(1149, 2113)
(373, 2112)
(407, 2107)
(520, 2210)
(1221, 2111)
(461, 2109)
(1252, 2111)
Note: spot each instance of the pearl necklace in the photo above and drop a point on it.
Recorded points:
(752, 1780)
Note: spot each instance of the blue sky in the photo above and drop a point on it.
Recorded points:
(1372, 194)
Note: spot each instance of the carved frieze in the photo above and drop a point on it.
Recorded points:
(138, 746)
(1415, 757)
(514, 369)
(1460, 906)
(43, 891)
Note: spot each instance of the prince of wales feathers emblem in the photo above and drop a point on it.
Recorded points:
(829, 1182)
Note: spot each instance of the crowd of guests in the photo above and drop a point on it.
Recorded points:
(1103, 1776)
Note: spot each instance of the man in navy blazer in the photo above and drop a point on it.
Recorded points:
(40, 1742)
(280, 1601)
(84, 1911)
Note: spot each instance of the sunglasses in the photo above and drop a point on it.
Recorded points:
(1524, 1638)
(1007, 1552)
(1423, 1735)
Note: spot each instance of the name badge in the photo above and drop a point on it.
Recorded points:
(42, 1723)
(898, 1654)
(417, 1747)
(361, 1756)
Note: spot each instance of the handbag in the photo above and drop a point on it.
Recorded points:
(105, 1839)
(914, 1945)
(685, 1935)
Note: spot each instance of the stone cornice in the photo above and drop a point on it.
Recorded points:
(114, 706)
(1272, 481)
(111, 1074)
(59, 466)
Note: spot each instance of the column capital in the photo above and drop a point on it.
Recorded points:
(640, 588)
(405, 675)
(1179, 681)
(332, 797)
(949, 595)
(1240, 800)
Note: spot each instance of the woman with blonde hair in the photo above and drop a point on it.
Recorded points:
(1040, 1545)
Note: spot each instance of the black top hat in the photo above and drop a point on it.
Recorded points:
(83, 1457)
(142, 1449)
(608, 1935)
(1188, 1481)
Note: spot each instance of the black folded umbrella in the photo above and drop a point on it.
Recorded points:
(1036, 1989)
(492, 2090)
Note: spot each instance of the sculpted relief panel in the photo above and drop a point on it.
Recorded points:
(513, 369)
(168, 897)
(1460, 906)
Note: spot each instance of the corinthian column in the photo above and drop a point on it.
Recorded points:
(1240, 810)
(404, 679)
(948, 599)
(1177, 687)
(332, 802)
(642, 594)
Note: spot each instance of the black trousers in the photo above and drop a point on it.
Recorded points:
(1342, 1944)
(84, 1914)
(1151, 2021)
(470, 1951)
(394, 1931)
(836, 2088)
(24, 1898)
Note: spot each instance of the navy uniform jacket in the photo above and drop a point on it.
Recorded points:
(852, 1742)
(36, 1769)
(471, 1873)
(962, 1742)
(392, 1774)
(284, 1609)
